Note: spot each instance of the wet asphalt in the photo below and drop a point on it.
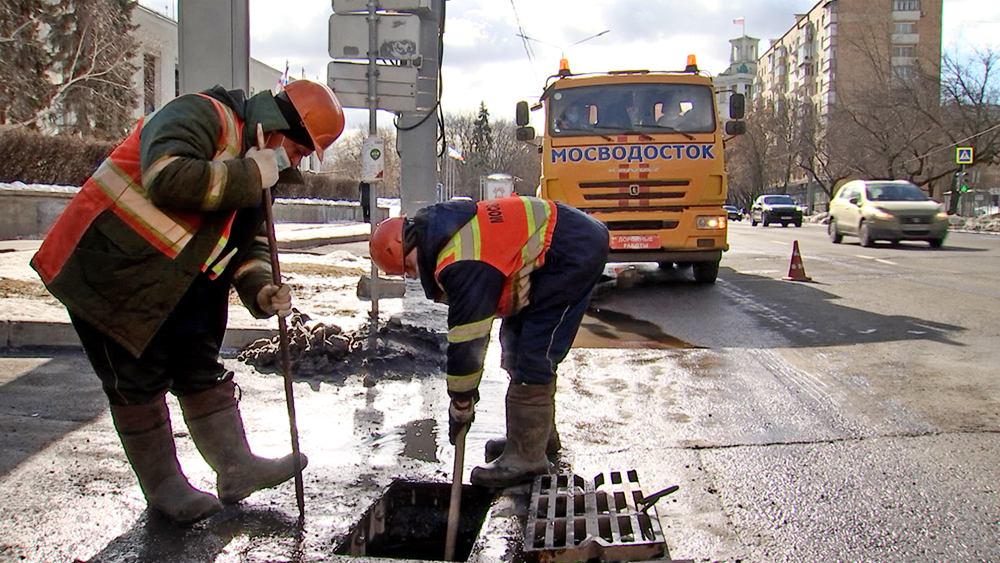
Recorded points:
(774, 463)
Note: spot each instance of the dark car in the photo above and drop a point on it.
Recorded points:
(732, 213)
(776, 208)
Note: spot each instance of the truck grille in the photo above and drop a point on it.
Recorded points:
(571, 519)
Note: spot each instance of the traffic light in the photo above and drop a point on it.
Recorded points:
(961, 178)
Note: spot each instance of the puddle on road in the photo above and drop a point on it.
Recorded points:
(608, 329)
(410, 521)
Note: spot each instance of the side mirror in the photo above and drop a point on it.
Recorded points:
(525, 133)
(855, 200)
(737, 106)
(521, 114)
(736, 127)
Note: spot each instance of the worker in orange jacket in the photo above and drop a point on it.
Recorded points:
(533, 263)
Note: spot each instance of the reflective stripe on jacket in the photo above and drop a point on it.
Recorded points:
(511, 234)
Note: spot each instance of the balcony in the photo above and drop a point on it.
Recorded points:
(905, 38)
(907, 16)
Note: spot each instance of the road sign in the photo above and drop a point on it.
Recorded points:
(396, 86)
(345, 6)
(963, 155)
(398, 36)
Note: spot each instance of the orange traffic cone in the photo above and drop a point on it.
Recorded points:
(796, 271)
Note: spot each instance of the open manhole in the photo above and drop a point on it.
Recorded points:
(410, 521)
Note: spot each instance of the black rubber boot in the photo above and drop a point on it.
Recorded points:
(148, 439)
(496, 446)
(530, 410)
(216, 426)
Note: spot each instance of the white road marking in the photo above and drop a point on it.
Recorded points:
(879, 260)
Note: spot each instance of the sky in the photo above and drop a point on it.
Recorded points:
(486, 62)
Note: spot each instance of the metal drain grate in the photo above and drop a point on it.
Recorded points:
(571, 519)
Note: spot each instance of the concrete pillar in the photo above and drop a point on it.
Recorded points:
(214, 44)
(418, 130)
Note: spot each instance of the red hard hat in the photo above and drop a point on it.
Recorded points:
(320, 110)
(386, 246)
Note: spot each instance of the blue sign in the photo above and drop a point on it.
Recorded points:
(963, 155)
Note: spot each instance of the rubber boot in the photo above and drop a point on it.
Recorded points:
(148, 439)
(530, 410)
(496, 446)
(213, 417)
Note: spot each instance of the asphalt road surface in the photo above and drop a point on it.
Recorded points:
(849, 419)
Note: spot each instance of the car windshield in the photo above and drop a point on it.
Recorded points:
(644, 108)
(895, 192)
(779, 200)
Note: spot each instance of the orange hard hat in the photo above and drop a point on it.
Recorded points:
(320, 111)
(386, 246)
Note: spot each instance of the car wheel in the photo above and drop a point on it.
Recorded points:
(835, 236)
(705, 272)
(935, 242)
(753, 222)
(783, 224)
(798, 223)
(764, 219)
(865, 236)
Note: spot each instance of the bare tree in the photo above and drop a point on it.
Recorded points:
(82, 51)
(344, 158)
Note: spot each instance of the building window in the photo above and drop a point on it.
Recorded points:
(148, 84)
(903, 72)
(903, 51)
(906, 27)
(906, 5)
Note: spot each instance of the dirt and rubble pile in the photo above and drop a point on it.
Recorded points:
(324, 350)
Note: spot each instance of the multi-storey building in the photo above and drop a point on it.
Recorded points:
(841, 46)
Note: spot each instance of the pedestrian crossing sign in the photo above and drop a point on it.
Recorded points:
(963, 155)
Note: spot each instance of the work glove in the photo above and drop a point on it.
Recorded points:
(270, 162)
(275, 300)
(461, 413)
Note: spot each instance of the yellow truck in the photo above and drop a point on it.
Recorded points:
(641, 151)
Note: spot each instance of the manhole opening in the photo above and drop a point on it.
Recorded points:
(410, 521)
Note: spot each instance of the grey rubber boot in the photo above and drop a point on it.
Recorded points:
(148, 440)
(530, 410)
(216, 426)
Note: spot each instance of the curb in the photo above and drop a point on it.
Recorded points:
(49, 334)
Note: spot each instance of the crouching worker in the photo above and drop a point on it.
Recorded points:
(144, 256)
(530, 261)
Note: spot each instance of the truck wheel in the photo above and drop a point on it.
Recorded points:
(705, 272)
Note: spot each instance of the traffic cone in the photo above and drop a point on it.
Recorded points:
(796, 271)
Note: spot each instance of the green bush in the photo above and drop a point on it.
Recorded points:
(34, 158)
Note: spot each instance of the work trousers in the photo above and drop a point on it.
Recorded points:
(539, 336)
(182, 358)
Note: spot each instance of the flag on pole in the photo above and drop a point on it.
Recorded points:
(453, 153)
(739, 20)
(283, 79)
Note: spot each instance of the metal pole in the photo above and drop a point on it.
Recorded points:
(372, 131)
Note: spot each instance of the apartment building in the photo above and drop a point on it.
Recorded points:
(840, 46)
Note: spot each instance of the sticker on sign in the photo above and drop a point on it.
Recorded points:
(635, 242)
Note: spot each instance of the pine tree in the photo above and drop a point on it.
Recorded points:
(482, 141)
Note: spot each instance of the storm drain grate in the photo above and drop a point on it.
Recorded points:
(572, 519)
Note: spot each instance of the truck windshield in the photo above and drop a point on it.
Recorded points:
(631, 108)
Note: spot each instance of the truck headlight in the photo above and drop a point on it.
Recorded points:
(711, 222)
